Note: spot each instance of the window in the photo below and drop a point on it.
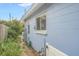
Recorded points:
(28, 28)
(41, 23)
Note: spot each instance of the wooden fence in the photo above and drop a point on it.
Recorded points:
(3, 32)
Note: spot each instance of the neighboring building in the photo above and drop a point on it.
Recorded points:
(53, 24)
(3, 32)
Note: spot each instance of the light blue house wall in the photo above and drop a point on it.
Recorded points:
(62, 21)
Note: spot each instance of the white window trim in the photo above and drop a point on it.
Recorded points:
(43, 32)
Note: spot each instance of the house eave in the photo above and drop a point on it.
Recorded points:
(31, 11)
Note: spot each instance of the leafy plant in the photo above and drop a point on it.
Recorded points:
(10, 48)
(11, 45)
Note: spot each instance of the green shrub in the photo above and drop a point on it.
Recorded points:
(10, 48)
(11, 45)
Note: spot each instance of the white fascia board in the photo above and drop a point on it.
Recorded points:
(32, 10)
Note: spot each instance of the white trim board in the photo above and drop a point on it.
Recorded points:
(52, 51)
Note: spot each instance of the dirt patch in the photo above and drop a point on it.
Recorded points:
(26, 51)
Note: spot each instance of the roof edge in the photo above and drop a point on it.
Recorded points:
(34, 7)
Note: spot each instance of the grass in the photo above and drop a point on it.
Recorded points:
(10, 47)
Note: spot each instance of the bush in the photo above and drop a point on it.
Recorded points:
(10, 48)
(11, 45)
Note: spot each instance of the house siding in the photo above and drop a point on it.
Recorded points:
(62, 28)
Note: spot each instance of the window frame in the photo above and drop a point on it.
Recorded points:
(28, 28)
(42, 31)
(40, 23)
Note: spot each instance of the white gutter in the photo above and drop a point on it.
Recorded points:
(32, 10)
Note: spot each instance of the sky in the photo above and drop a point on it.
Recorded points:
(13, 10)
